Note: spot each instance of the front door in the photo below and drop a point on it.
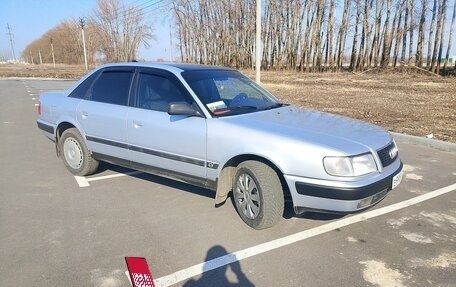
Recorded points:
(159, 141)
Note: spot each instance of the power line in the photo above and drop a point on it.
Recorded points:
(140, 8)
(144, 8)
(160, 7)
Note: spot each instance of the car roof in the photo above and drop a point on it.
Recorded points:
(169, 66)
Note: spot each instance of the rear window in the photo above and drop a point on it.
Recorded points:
(112, 87)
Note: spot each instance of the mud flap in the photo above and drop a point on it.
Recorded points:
(224, 185)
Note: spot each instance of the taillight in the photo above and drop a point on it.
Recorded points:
(39, 108)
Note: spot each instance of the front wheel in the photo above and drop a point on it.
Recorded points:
(258, 194)
(75, 155)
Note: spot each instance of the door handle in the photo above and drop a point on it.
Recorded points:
(137, 124)
(84, 115)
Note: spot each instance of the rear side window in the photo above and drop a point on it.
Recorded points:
(80, 92)
(112, 87)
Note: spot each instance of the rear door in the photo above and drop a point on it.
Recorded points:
(103, 114)
(159, 141)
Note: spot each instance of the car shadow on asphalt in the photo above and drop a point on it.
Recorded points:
(158, 180)
(288, 208)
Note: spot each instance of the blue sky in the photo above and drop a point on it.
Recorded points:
(29, 19)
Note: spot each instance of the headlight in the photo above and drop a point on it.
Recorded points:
(350, 166)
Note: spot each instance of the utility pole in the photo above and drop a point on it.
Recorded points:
(82, 23)
(11, 40)
(52, 49)
(170, 42)
(258, 43)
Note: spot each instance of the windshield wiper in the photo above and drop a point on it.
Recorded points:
(238, 108)
(276, 105)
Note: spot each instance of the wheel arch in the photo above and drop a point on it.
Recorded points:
(228, 171)
(61, 127)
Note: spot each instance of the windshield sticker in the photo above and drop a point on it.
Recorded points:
(216, 106)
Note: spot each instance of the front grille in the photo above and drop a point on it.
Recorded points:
(384, 155)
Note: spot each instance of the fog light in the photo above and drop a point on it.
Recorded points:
(372, 199)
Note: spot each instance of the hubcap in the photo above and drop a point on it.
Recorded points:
(247, 196)
(73, 153)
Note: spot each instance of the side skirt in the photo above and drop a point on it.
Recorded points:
(193, 180)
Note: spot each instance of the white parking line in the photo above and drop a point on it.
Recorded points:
(198, 269)
(114, 175)
(84, 181)
(128, 276)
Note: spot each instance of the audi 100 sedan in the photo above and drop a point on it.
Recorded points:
(215, 128)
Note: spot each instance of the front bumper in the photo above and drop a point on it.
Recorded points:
(341, 196)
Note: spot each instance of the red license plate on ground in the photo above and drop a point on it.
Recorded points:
(139, 272)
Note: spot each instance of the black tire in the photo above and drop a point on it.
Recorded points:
(258, 194)
(75, 155)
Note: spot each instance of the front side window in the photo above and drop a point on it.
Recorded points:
(226, 92)
(156, 92)
(112, 87)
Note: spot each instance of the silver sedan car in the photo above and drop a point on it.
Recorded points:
(215, 128)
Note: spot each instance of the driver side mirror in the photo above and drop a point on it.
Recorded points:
(183, 109)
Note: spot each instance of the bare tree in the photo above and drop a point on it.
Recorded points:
(330, 36)
(405, 30)
(420, 44)
(121, 29)
(411, 29)
(387, 37)
(432, 27)
(377, 40)
(67, 44)
(342, 35)
(354, 53)
(450, 38)
(440, 36)
(397, 32)
(309, 35)
(363, 57)
(436, 54)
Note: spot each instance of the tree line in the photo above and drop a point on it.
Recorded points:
(303, 35)
(113, 32)
(317, 35)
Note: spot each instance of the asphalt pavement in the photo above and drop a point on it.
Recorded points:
(58, 230)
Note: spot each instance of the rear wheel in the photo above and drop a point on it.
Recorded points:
(75, 155)
(258, 194)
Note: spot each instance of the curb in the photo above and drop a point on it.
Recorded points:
(437, 144)
(37, 78)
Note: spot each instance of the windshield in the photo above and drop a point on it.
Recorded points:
(228, 92)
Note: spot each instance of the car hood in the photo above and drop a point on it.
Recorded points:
(336, 132)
